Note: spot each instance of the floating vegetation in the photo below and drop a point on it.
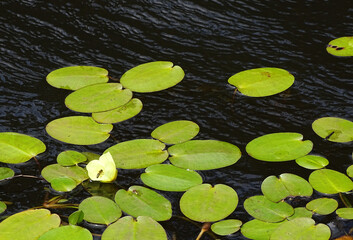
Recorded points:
(342, 47)
(334, 129)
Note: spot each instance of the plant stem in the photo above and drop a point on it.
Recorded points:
(211, 234)
(345, 200)
(21, 175)
(233, 98)
(114, 79)
(205, 228)
(39, 167)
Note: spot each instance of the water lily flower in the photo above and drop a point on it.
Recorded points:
(103, 170)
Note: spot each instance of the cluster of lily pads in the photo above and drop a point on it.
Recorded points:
(171, 160)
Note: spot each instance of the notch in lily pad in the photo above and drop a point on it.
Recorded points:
(342, 47)
(262, 82)
(334, 129)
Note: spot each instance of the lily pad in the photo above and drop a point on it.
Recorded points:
(300, 212)
(334, 129)
(6, 173)
(167, 177)
(323, 206)
(38, 221)
(75, 77)
(141, 201)
(350, 171)
(152, 77)
(261, 82)
(330, 181)
(142, 228)
(98, 98)
(226, 227)
(76, 217)
(301, 228)
(263, 209)
(63, 184)
(259, 230)
(176, 132)
(346, 213)
(279, 147)
(67, 232)
(206, 203)
(70, 158)
(204, 154)
(287, 185)
(138, 153)
(19, 148)
(3, 207)
(100, 210)
(78, 130)
(342, 47)
(91, 156)
(127, 111)
(103, 170)
(312, 162)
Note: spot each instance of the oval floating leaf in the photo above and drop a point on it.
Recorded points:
(204, 154)
(3, 207)
(140, 229)
(275, 189)
(55, 171)
(323, 206)
(100, 210)
(138, 153)
(19, 148)
(279, 147)
(6, 173)
(350, 171)
(226, 227)
(98, 98)
(38, 221)
(167, 177)
(330, 181)
(63, 184)
(342, 47)
(70, 158)
(141, 201)
(103, 170)
(76, 217)
(176, 132)
(263, 209)
(346, 213)
(206, 203)
(152, 77)
(261, 82)
(334, 129)
(301, 228)
(78, 130)
(312, 162)
(129, 110)
(258, 230)
(67, 232)
(300, 212)
(75, 77)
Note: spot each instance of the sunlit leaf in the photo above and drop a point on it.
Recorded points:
(103, 170)
(346, 213)
(350, 171)
(259, 230)
(300, 212)
(312, 162)
(323, 206)
(76, 217)
(330, 181)
(70, 158)
(334, 129)
(6, 173)
(63, 184)
(342, 47)
(226, 227)
(67, 232)
(91, 156)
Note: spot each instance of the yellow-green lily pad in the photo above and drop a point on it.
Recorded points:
(323, 206)
(67, 232)
(70, 158)
(346, 213)
(330, 181)
(226, 227)
(6, 173)
(342, 47)
(334, 129)
(312, 162)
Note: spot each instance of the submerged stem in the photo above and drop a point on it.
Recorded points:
(114, 79)
(205, 228)
(233, 98)
(21, 175)
(345, 200)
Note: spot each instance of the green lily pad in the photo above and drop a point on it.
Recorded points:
(141, 201)
(3, 207)
(301, 228)
(152, 77)
(19, 148)
(342, 47)
(6, 173)
(70, 158)
(100, 210)
(258, 230)
(261, 82)
(300, 212)
(76, 217)
(138, 153)
(91, 156)
(127, 111)
(37, 221)
(330, 181)
(67, 232)
(350, 171)
(263, 209)
(226, 227)
(279, 147)
(75, 77)
(98, 98)
(78, 130)
(206, 203)
(312, 162)
(346, 213)
(142, 228)
(176, 132)
(334, 129)
(287, 185)
(107, 190)
(204, 154)
(167, 177)
(323, 206)
(63, 184)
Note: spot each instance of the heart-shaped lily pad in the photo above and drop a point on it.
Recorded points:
(346, 213)
(342, 47)
(75, 77)
(261, 82)
(226, 227)
(206, 203)
(279, 147)
(323, 206)
(78, 130)
(330, 181)
(334, 129)
(19, 148)
(70, 158)
(67, 232)
(6, 173)
(152, 77)
(312, 162)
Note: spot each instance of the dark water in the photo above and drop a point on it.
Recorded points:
(211, 41)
